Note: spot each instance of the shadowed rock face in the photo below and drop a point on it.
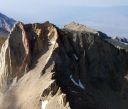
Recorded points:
(67, 69)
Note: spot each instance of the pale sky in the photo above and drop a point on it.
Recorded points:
(28, 8)
(37, 3)
(62, 12)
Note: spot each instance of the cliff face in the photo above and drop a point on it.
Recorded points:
(65, 69)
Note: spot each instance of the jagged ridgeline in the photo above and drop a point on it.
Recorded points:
(70, 68)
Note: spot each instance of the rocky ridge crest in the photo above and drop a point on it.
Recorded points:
(66, 69)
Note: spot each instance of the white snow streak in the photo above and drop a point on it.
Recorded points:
(43, 104)
(79, 84)
(74, 81)
(75, 57)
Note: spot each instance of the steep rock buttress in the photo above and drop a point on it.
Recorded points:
(66, 69)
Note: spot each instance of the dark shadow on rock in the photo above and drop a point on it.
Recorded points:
(100, 66)
(35, 51)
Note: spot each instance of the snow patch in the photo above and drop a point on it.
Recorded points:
(79, 84)
(43, 104)
(75, 57)
(74, 81)
(74, 91)
(118, 47)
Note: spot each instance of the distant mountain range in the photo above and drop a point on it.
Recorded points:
(6, 24)
(123, 40)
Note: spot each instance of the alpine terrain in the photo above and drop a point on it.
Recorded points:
(6, 25)
(45, 67)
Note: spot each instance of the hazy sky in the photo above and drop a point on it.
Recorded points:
(21, 8)
(60, 12)
(9, 4)
(31, 6)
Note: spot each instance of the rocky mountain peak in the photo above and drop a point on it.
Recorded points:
(44, 67)
(79, 27)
